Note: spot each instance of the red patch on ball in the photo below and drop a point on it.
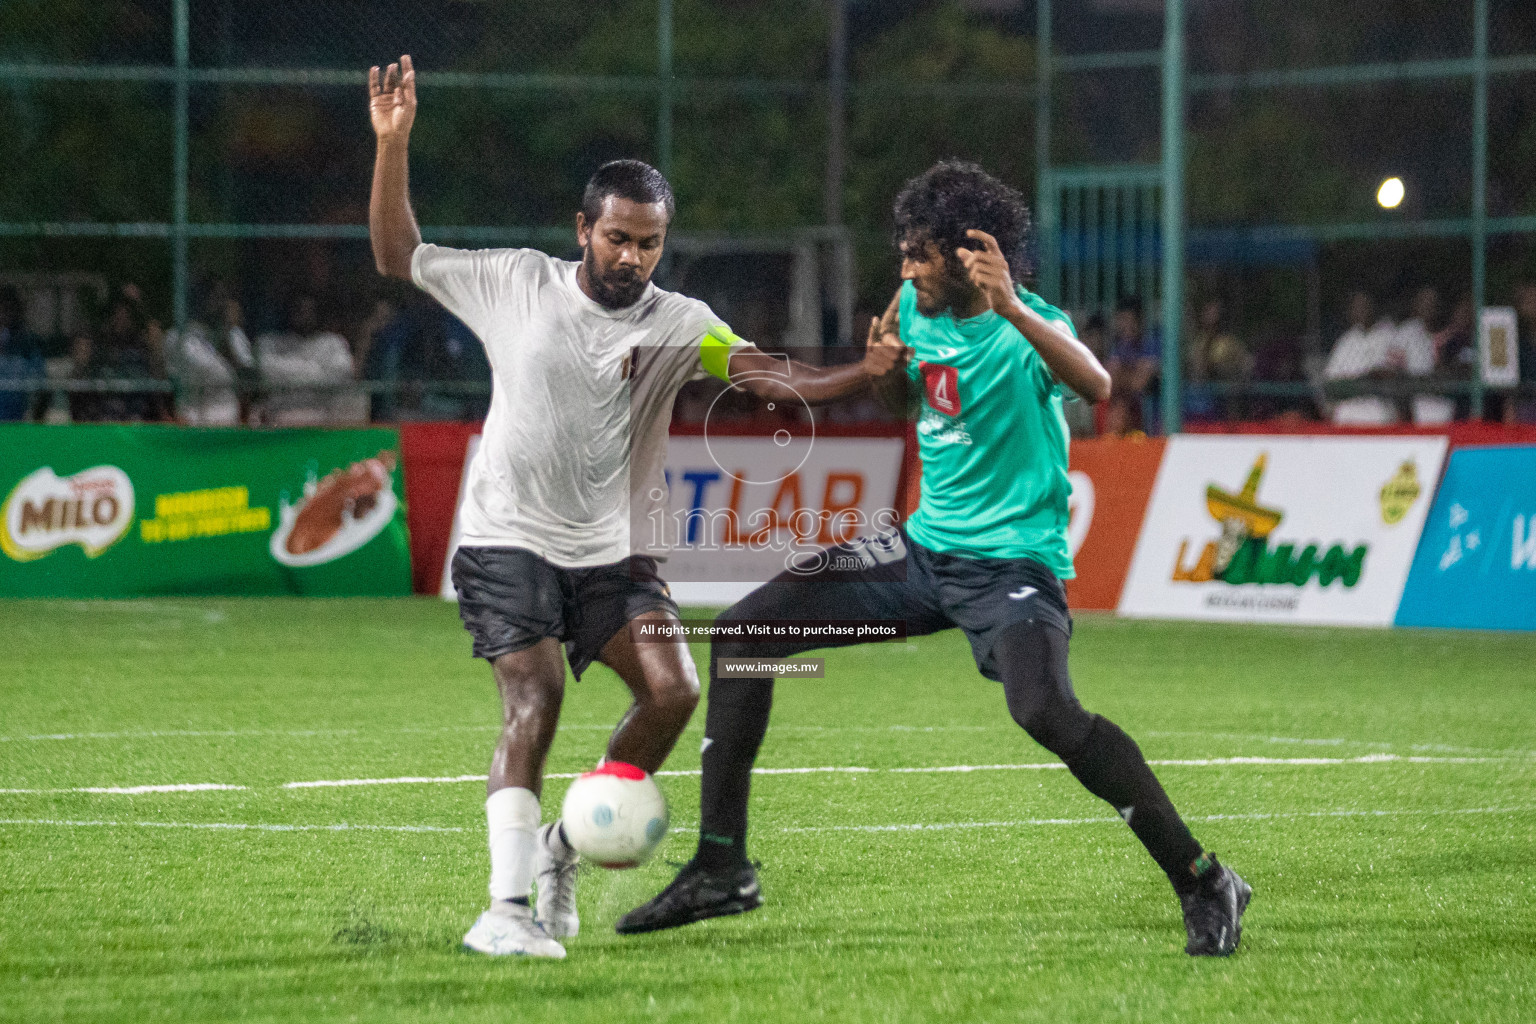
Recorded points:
(620, 770)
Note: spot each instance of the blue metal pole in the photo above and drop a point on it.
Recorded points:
(1173, 212)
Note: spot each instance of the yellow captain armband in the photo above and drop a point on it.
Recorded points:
(715, 351)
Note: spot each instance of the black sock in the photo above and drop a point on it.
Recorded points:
(1111, 766)
(1032, 656)
(734, 726)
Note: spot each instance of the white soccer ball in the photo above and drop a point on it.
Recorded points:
(615, 816)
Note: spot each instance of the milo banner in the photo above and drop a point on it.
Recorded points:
(128, 511)
(1283, 529)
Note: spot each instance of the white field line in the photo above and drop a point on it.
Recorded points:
(175, 787)
(1439, 748)
(403, 780)
(1204, 762)
(412, 780)
(930, 827)
(1114, 819)
(228, 826)
(161, 734)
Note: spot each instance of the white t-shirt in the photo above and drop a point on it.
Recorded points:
(574, 447)
(1417, 345)
(207, 397)
(1357, 353)
(323, 360)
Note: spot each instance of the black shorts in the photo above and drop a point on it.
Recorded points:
(510, 599)
(892, 577)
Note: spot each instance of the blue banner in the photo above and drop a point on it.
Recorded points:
(1476, 563)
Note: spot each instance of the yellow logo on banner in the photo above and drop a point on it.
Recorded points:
(1399, 493)
(216, 512)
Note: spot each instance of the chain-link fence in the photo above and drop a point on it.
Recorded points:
(215, 157)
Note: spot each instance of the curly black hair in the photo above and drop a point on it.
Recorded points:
(940, 204)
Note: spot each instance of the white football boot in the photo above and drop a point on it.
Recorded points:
(556, 881)
(508, 929)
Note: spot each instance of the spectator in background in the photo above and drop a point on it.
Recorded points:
(20, 358)
(1135, 370)
(419, 345)
(305, 372)
(128, 347)
(1279, 357)
(1093, 336)
(1457, 351)
(210, 358)
(365, 336)
(1212, 355)
(1366, 351)
(1090, 419)
(1420, 344)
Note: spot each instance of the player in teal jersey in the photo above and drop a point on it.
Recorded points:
(990, 365)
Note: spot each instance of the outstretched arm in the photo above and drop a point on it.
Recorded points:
(391, 224)
(1068, 359)
(779, 377)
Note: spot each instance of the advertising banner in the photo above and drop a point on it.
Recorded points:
(1111, 483)
(129, 511)
(738, 509)
(1315, 530)
(1476, 564)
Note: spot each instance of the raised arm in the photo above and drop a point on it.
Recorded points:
(1068, 359)
(779, 377)
(391, 224)
(894, 389)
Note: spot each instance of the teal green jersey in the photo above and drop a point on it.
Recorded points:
(991, 436)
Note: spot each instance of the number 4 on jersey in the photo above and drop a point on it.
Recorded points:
(942, 386)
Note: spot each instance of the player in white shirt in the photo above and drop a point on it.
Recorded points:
(586, 359)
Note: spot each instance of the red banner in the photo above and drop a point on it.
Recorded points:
(433, 454)
(1111, 486)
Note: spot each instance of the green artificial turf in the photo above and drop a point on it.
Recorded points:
(1386, 889)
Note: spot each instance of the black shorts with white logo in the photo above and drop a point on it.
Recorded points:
(890, 576)
(510, 599)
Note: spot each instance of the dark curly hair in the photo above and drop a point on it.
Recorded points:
(954, 195)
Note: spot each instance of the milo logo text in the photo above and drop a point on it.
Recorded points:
(45, 511)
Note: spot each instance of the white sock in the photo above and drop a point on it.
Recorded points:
(512, 821)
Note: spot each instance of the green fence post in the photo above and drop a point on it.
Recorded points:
(1479, 193)
(664, 87)
(1047, 217)
(1173, 212)
(179, 170)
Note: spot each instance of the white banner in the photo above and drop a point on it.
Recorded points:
(1315, 530)
(739, 509)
